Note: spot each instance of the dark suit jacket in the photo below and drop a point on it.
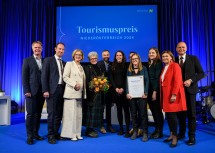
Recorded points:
(50, 75)
(101, 65)
(31, 76)
(192, 69)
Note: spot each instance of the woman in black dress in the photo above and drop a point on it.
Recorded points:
(154, 70)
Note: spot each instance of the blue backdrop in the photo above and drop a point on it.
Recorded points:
(24, 21)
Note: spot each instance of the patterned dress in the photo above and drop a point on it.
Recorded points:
(93, 106)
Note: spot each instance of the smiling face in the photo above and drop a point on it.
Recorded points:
(59, 49)
(152, 54)
(37, 49)
(93, 60)
(181, 48)
(166, 58)
(135, 60)
(78, 56)
(106, 56)
(119, 57)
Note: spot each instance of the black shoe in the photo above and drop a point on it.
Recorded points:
(168, 140)
(111, 129)
(30, 141)
(92, 134)
(180, 136)
(191, 141)
(58, 137)
(51, 140)
(120, 132)
(38, 137)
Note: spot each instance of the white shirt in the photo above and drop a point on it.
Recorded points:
(59, 69)
(184, 58)
(164, 72)
(39, 62)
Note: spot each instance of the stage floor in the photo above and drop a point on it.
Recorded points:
(13, 140)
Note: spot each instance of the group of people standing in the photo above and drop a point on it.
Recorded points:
(65, 87)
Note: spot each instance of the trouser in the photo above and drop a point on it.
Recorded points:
(138, 107)
(34, 106)
(55, 110)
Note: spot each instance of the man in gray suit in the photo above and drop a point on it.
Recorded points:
(53, 89)
(31, 79)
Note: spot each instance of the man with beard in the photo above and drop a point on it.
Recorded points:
(105, 66)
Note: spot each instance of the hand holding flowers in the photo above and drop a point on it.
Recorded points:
(99, 84)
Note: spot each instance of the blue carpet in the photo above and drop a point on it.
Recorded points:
(13, 140)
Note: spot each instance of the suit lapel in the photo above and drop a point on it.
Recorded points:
(54, 62)
(76, 67)
(35, 63)
(186, 63)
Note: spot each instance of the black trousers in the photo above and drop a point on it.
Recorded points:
(172, 122)
(190, 114)
(34, 106)
(157, 114)
(55, 110)
(108, 100)
(138, 107)
(122, 104)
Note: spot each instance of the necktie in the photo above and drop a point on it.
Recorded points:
(181, 63)
(106, 66)
(61, 66)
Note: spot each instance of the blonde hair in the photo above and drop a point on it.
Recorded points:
(140, 66)
(37, 42)
(75, 51)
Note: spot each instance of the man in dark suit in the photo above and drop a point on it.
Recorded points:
(31, 79)
(53, 89)
(192, 72)
(105, 66)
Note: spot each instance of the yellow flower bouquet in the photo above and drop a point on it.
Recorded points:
(99, 84)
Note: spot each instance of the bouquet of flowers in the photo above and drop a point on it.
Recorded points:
(99, 84)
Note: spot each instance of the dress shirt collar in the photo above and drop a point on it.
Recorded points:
(57, 58)
(184, 57)
(36, 57)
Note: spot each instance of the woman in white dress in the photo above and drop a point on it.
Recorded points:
(75, 91)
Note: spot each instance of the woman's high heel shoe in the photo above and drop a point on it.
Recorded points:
(174, 141)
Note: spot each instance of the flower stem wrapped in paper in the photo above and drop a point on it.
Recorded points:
(99, 84)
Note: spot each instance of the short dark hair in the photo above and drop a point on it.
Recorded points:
(105, 50)
(59, 44)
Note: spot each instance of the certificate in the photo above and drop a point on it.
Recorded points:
(135, 86)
